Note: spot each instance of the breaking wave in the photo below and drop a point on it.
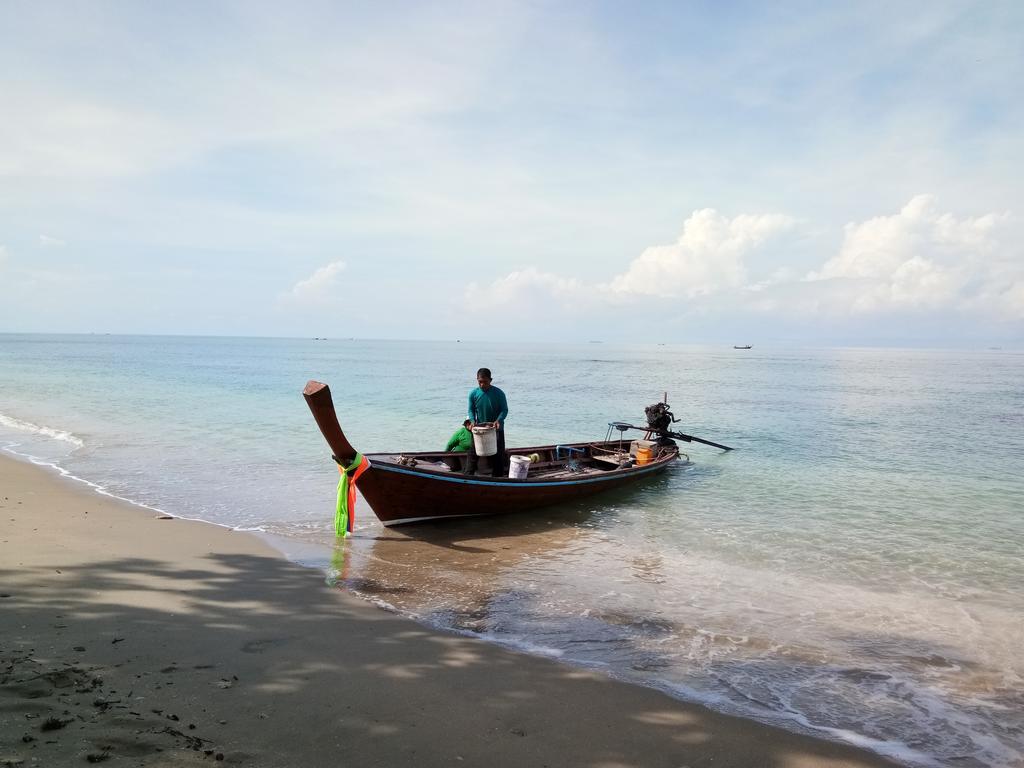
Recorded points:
(36, 429)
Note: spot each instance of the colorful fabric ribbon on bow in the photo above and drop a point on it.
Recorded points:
(345, 516)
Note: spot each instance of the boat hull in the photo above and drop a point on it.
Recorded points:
(400, 494)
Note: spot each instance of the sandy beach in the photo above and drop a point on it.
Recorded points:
(132, 639)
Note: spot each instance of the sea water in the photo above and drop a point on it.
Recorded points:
(854, 569)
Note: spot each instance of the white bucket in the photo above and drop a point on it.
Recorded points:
(485, 441)
(518, 466)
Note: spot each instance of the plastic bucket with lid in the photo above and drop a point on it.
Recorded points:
(485, 441)
(644, 455)
(518, 466)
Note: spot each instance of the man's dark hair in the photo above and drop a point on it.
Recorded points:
(467, 422)
(485, 372)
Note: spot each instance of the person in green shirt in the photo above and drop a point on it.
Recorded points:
(488, 406)
(462, 439)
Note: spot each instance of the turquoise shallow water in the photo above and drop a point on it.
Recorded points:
(853, 569)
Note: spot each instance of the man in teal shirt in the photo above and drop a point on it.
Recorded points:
(488, 407)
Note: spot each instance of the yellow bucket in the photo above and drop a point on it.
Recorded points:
(644, 455)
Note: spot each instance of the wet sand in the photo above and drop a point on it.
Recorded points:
(128, 639)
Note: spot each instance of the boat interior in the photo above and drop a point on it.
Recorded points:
(549, 462)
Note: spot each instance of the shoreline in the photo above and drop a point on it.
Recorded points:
(160, 641)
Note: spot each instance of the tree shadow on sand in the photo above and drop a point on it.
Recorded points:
(258, 660)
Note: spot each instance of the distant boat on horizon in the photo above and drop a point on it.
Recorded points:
(742, 346)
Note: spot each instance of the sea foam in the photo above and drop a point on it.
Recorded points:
(27, 426)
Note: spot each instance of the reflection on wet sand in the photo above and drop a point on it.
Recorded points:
(462, 566)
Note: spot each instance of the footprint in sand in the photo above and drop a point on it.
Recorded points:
(259, 646)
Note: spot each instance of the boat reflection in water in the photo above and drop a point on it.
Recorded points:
(484, 575)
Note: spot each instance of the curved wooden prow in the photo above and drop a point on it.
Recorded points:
(318, 398)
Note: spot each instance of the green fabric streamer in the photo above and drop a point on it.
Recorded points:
(342, 519)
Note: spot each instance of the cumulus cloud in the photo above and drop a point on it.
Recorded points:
(924, 259)
(318, 287)
(529, 289)
(707, 257)
(918, 260)
(45, 241)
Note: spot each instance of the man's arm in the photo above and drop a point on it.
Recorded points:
(500, 419)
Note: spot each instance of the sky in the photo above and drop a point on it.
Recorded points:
(679, 172)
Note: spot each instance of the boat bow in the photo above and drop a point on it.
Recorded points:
(318, 398)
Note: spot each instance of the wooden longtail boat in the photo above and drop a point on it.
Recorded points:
(421, 486)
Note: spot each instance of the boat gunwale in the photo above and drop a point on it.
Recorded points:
(386, 462)
(524, 451)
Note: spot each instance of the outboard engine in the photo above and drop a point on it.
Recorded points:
(659, 419)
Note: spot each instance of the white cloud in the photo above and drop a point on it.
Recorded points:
(924, 259)
(69, 125)
(45, 241)
(919, 260)
(529, 290)
(61, 135)
(707, 257)
(880, 246)
(318, 288)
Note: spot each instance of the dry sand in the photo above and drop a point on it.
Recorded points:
(133, 640)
